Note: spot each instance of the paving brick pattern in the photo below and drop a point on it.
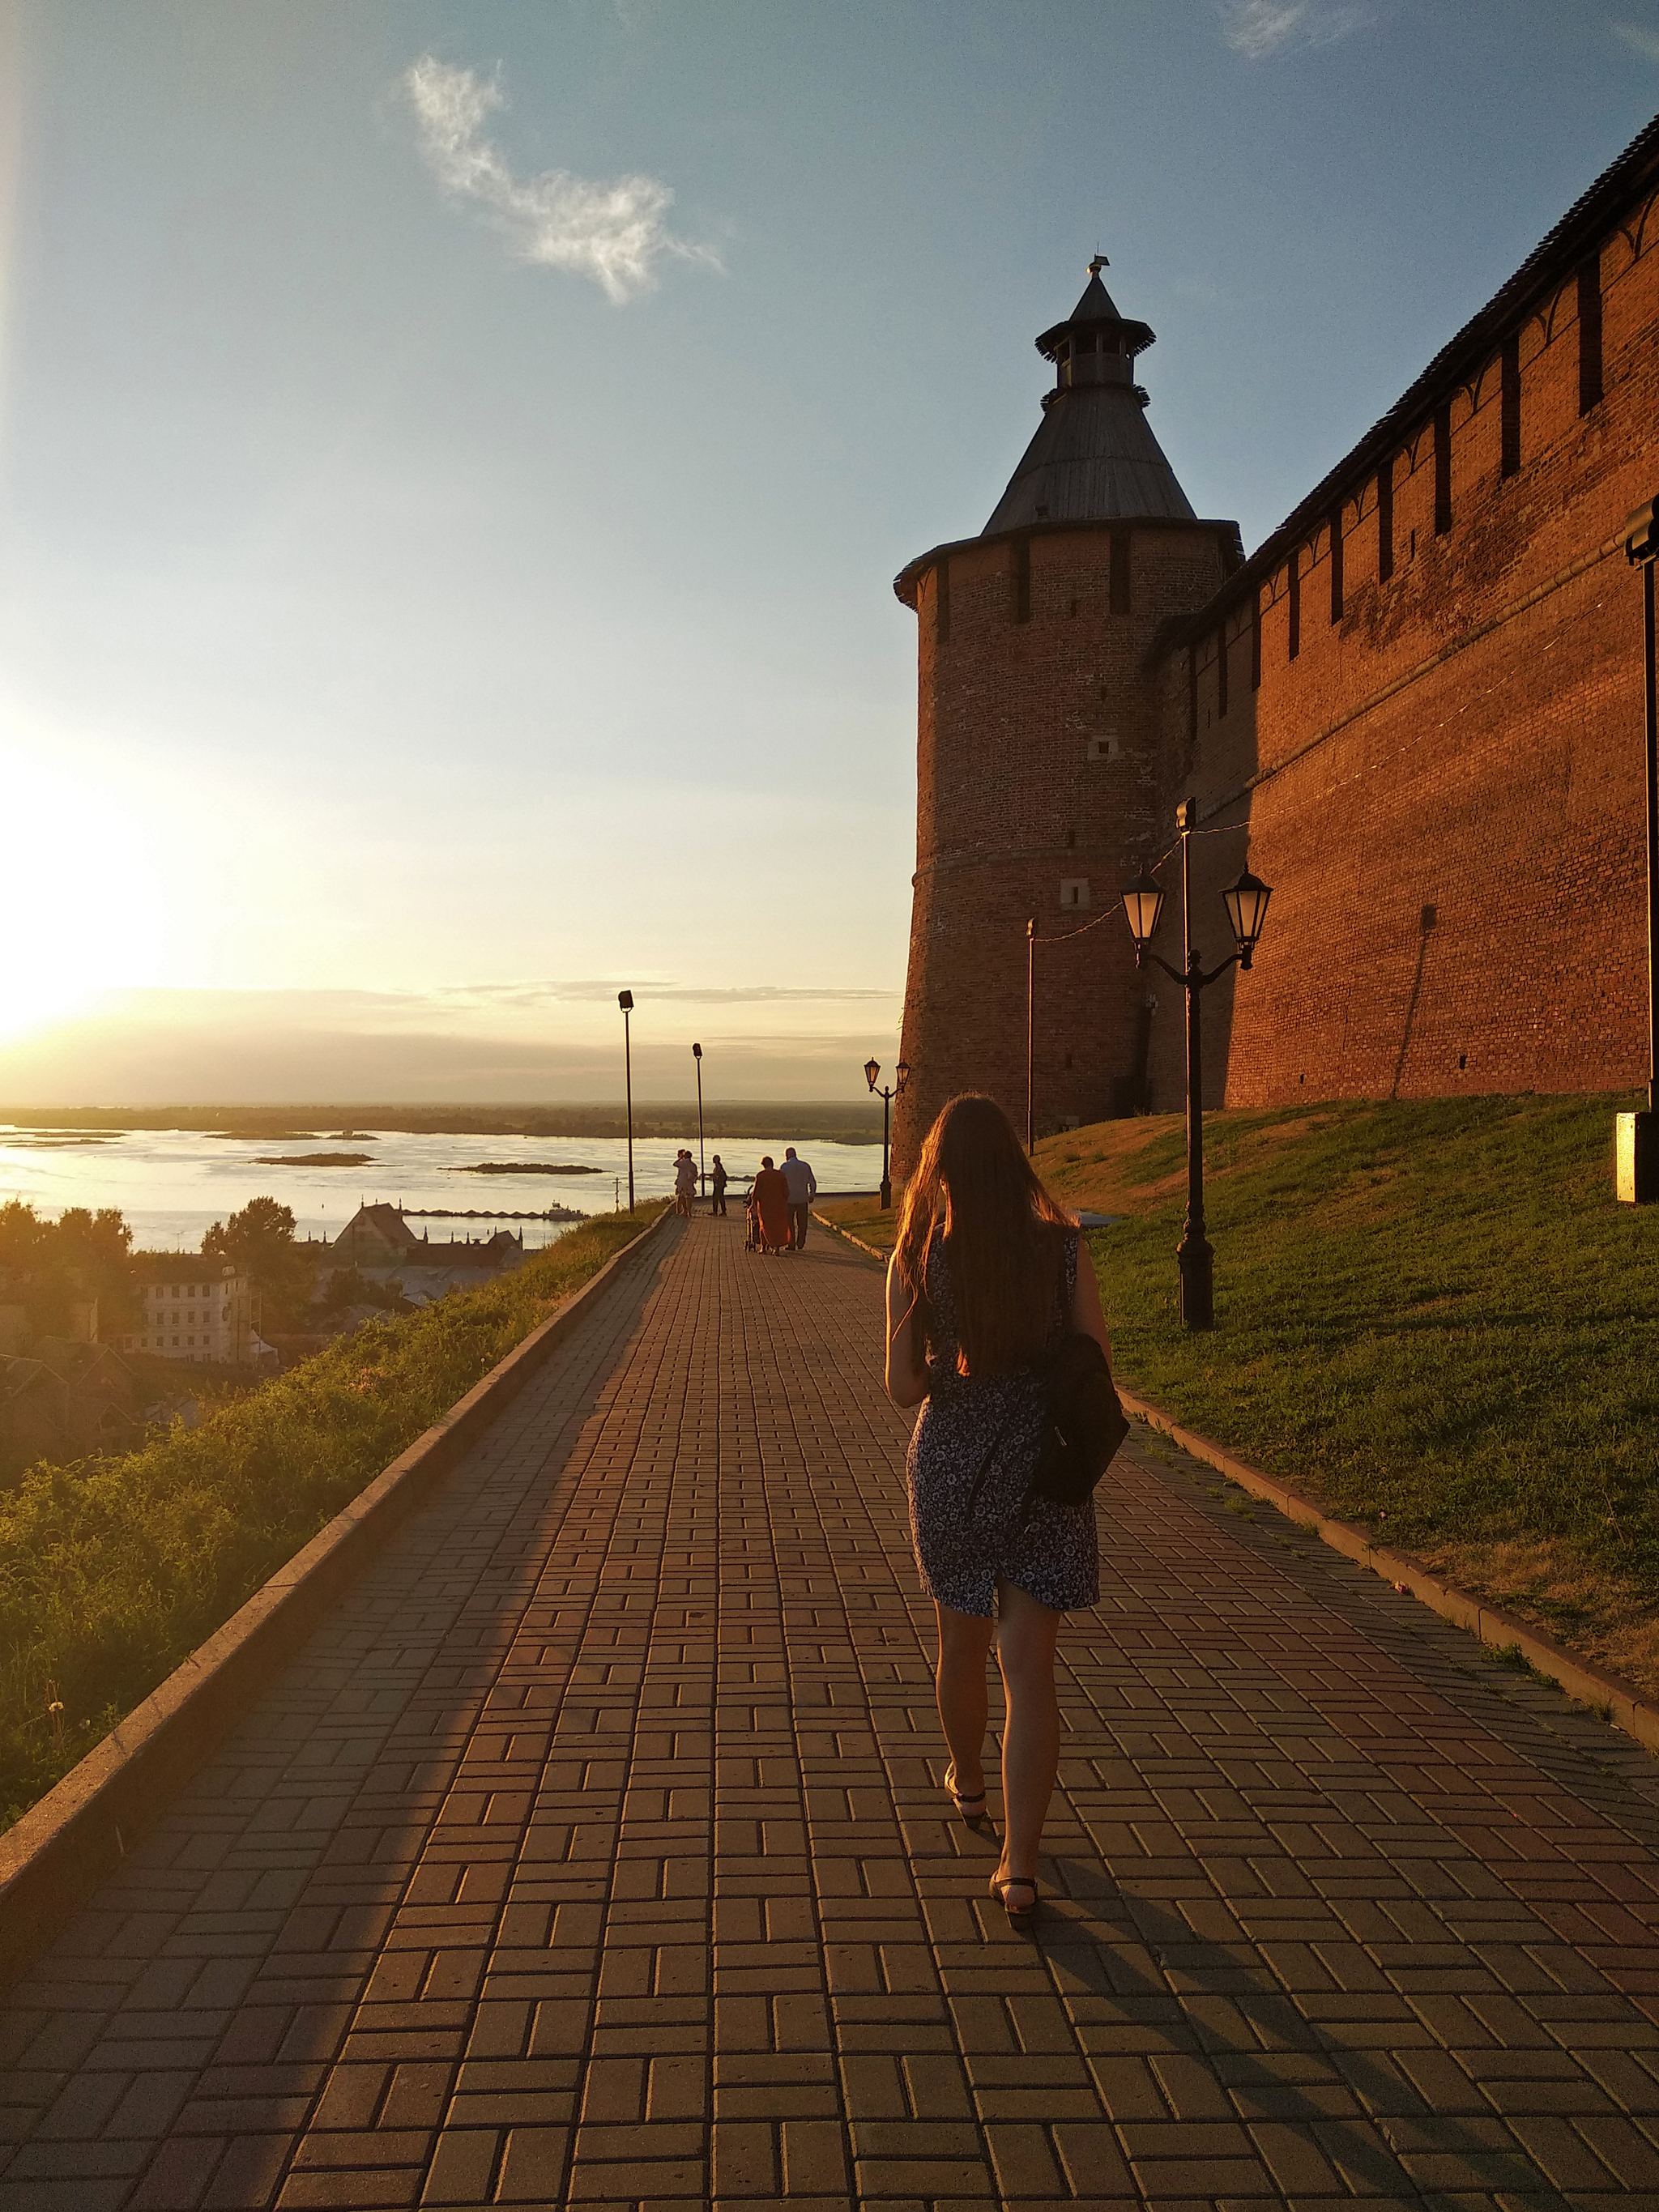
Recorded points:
(595, 1852)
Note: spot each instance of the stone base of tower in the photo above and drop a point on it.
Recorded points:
(965, 1020)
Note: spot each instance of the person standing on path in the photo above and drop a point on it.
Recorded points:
(803, 1189)
(987, 1277)
(685, 1182)
(717, 1180)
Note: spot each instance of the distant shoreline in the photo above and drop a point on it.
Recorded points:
(814, 1120)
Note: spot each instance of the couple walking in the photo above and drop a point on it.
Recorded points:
(685, 1181)
(782, 1200)
(989, 1279)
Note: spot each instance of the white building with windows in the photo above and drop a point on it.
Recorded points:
(200, 1309)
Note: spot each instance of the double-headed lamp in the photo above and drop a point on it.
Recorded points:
(1143, 902)
(1246, 903)
(871, 1070)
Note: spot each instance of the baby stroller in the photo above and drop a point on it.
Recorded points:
(752, 1220)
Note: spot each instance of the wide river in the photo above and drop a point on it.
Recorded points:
(172, 1183)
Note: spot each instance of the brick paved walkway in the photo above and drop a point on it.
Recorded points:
(594, 1851)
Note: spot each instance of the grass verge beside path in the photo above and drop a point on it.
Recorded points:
(1432, 1318)
(113, 1570)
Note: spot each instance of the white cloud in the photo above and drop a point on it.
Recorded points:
(615, 232)
(1639, 39)
(1257, 28)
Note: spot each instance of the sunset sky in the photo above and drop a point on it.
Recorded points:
(453, 459)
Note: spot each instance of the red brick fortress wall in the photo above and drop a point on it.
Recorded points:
(1426, 730)
(1040, 792)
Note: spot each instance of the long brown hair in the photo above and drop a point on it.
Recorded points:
(1006, 1233)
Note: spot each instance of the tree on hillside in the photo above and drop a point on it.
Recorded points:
(47, 1268)
(260, 1238)
(97, 1249)
(101, 1239)
(262, 1229)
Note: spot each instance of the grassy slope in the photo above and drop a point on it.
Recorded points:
(1433, 1317)
(113, 1571)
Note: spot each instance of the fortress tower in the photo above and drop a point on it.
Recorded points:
(1041, 789)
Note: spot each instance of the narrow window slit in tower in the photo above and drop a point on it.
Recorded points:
(1589, 333)
(1221, 670)
(1442, 514)
(1385, 520)
(1122, 541)
(1336, 564)
(1192, 695)
(1022, 581)
(1255, 639)
(1510, 406)
(1296, 601)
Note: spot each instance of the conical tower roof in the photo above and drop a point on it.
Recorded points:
(1094, 458)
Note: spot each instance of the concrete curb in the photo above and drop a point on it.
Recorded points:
(870, 1251)
(76, 1835)
(1591, 1684)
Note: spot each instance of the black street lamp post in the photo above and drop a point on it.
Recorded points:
(625, 1001)
(1246, 903)
(1638, 1172)
(702, 1174)
(901, 1076)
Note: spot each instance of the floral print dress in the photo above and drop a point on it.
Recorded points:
(972, 1454)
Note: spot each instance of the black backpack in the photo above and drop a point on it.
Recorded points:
(1083, 1423)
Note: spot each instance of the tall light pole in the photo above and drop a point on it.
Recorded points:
(1637, 1171)
(1246, 903)
(901, 1076)
(625, 1001)
(702, 1178)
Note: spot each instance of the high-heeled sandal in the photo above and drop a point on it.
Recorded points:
(1020, 1917)
(972, 1808)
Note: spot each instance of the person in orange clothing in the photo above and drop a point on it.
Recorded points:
(772, 1198)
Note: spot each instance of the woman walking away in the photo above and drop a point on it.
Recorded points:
(772, 1201)
(717, 1180)
(987, 1278)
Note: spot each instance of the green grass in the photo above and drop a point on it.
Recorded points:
(113, 1571)
(1435, 1316)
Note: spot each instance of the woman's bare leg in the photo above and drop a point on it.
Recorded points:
(959, 1683)
(1031, 1734)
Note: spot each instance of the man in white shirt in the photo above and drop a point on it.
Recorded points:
(803, 1189)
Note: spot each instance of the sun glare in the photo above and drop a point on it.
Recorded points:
(85, 905)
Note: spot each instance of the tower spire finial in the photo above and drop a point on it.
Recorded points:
(1099, 263)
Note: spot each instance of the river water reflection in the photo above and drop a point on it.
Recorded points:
(172, 1183)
